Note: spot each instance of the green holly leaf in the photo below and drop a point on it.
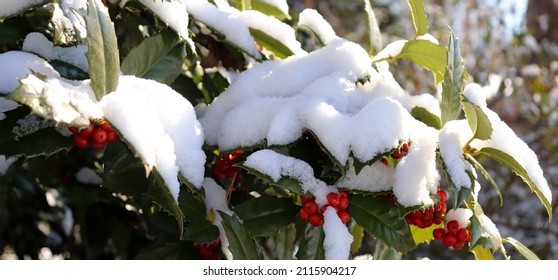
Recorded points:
(512, 164)
(452, 85)
(198, 228)
(159, 58)
(311, 245)
(286, 183)
(269, 9)
(374, 35)
(426, 117)
(521, 249)
(482, 253)
(51, 142)
(270, 43)
(102, 50)
(241, 244)
(427, 55)
(267, 214)
(160, 193)
(380, 219)
(168, 249)
(478, 121)
(420, 20)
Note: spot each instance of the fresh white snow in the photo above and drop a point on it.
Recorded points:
(16, 65)
(461, 215)
(11, 7)
(338, 239)
(88, 176)
(174, 13)
(311, 19)
(161, 126)
(452, 138)
(38, 44)
(216, 200)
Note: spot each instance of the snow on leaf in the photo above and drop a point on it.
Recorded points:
(16, 65)
(374, 35)
(10, 8)
(452, 138)
(38, 44)
(313, 21)
(276, 8)
(227, 23)
(161, 126)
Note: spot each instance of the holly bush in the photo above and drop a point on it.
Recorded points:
(239, 129)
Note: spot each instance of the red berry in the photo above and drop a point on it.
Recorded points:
(316, 220)
(458, 245)
(396, 154)
(305, 199)
(442, 194)
(99, 136)
(74, 130)
(417, 222)
(405, 147)
(437, 220)
(439, 233)
(310, 207)
(98, 146)
(111, 137)
(205, 252)
(81, 141)
(87, 131)
(343, 202)
(426, 223)
(303, 215)
(106, 127)
(440, 208)
(344, 216)
(449, 239)
(343, 193)
(323, 209)
(409, 218)
(214, 244)
(333, 199)
(453, 226)
(462, 234)
(384, 161)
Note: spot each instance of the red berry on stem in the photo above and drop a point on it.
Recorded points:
(74, 130)
(333, 199)
(343, 202)
(439, 233)
(323, 209)
(453, 226)
(437, 220)
(458, 245)
(344, 216)
(442, 194)
(462, 234)
(396, 154)
(316, 220)
(405, 147)
(343, 193)
(384, 161)
(303, 215)
(310, 207)
(99, 136)
(449, 239)
(81, 141)
(111, 137)
(305, 199)
(106, 127)
(205, 252)
(87, 131)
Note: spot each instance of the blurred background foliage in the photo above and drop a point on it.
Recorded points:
(510, 47)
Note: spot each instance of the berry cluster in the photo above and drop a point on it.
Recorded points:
(209, 251)
(425, 218)
(309, 211)
(398, 152)
(453, 235)
(97, 134)
(225, 169)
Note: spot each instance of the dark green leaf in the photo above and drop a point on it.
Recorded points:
(427, 55)
(268, 9)
(51, 142)
(478, 121)
(521, 249)
(272, 44)
(160, 194)
(159, 58)
(267, 214)
(102, 50)
(241, 245)
(123, 172)
(512, 164)
(420, 20)
(426, 117)
(380, 219)
(68, 71)
(281, 244)
(486, 175)
(459, 194)
(452, 85)
(201, 231)
(23, 8)
(287, 183)
(168, 249)
(311, 245)
(374, 35)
